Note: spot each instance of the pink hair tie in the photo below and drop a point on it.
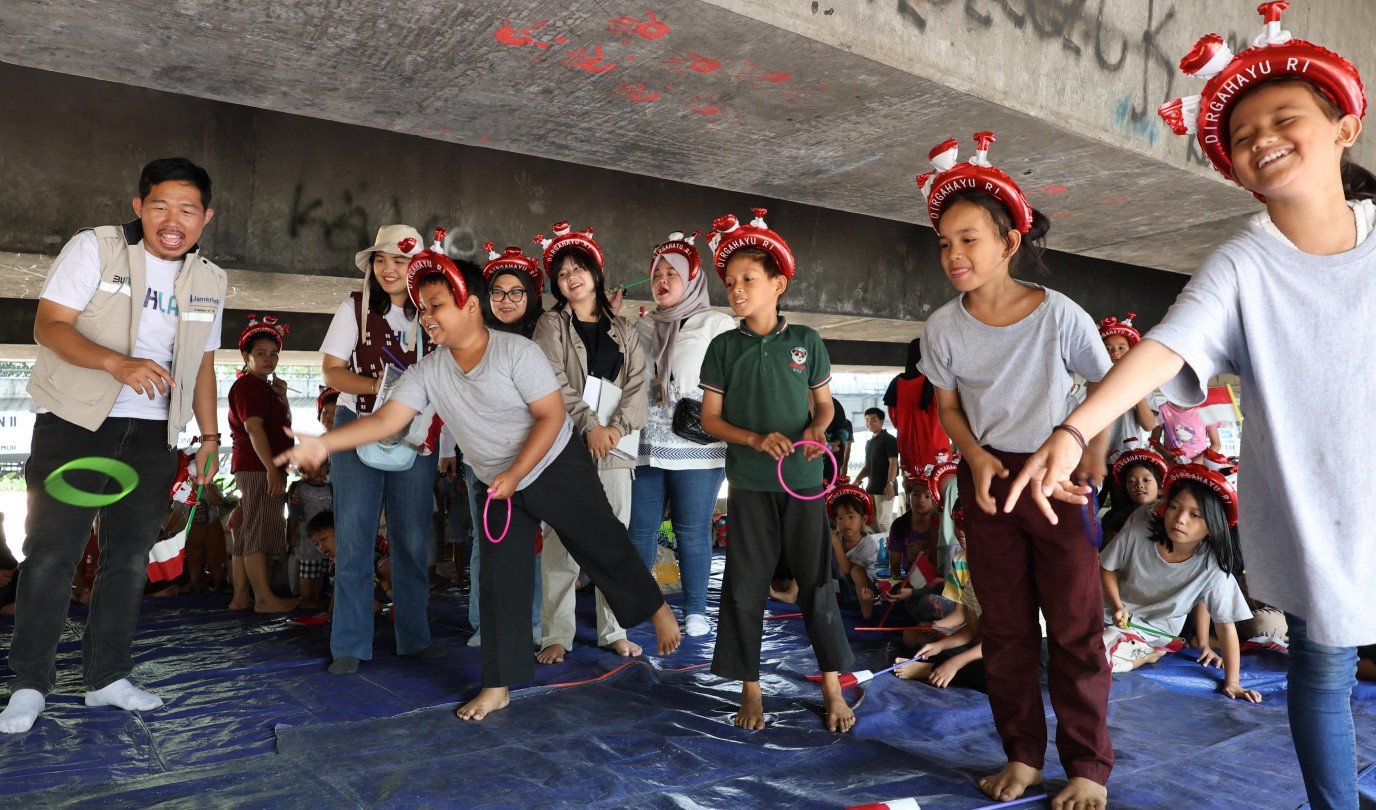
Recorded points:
(836, 474)
(487, 529)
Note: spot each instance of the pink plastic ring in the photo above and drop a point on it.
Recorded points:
(836, 474)
(487, 529)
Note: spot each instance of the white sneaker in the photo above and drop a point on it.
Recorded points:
(696, 625)
(476, 641)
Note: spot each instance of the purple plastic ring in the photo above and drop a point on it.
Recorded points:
(487, 529)
(836, 474)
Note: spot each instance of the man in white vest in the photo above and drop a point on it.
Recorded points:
(127, 328)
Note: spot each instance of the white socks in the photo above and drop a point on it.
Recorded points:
(124, 695)
(24, 708)
(26, 704)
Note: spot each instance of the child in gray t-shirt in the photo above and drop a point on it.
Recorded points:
(498, 396)
(1163, 563)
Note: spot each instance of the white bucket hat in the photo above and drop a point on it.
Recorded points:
(386, 242)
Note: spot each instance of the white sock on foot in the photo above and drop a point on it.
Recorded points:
(124, 695)
(24, 708)
(696, 625)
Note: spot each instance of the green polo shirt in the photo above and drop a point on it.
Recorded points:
(766, 384)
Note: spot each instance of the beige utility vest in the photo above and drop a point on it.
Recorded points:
(84, 396)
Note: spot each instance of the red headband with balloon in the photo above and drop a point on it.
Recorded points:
(729, 236)
(429, 262)
(948, 178)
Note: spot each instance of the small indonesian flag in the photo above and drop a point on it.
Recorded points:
(1220, 406)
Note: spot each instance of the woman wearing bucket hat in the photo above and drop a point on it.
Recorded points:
(373, 329)
(676, 466)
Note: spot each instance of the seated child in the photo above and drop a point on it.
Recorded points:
(306, 498)
(856, 553)
(914, 544)
(958, 658)
(1135, 482)
(498, 393)
(1163, 562)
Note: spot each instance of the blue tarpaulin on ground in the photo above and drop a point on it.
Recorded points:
(253, 720)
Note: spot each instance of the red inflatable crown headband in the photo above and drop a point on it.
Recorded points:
(1203, 475)
(563, 237)
(327, 395)
(978, 174)
(1109, 327)
(729, 236)
(268, 325)
(683, 246)
(429, 262)
(1131, 454)
(512, 259)
(1273, 55)
(843, 491)
(936, 479)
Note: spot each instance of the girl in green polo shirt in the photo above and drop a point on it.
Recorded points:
(766, 384)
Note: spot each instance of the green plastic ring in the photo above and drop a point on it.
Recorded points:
(127, 477)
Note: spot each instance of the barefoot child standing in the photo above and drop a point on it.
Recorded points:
(497, 393)
(1001, 356)
(758, 382)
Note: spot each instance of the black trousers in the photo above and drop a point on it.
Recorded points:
(760, 525)
(56, 538)
(568, 496)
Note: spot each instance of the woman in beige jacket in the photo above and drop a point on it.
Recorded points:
(584, 339)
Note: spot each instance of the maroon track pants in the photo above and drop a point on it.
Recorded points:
(1019, 562)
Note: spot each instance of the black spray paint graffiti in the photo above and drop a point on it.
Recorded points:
(347, 225)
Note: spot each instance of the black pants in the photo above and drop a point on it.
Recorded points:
(57, 535)
(759, 526)
(568, 496)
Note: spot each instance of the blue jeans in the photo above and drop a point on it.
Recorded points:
(691, 495)
(1321, 680)
(360, 492)
(475, 565)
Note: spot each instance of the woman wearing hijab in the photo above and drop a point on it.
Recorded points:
(677, 471)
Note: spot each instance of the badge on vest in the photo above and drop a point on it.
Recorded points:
(799, 363)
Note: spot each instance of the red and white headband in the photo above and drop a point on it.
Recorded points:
(1209, 478)
(1273, 55)
(1134, 454)
(428, 262)
(729, 236)
(977, 174)
(936, 479)
(563, 238)
(515, 260)
(683, 246)
(268, 325)
(844, 491)
(1110, 326)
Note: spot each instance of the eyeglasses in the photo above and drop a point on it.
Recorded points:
(514, 296)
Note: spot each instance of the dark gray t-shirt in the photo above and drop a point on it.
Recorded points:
(487, 410)
(1298, 329)
(1015, 382)
(1161, 594)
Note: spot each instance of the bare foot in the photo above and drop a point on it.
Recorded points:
(553, 654)
(1148, 659)
(666, 630)
(914, 671)
(1011, 782)
(840, 718)
(241, 604)
(1081, 794)
(625, 649)
(488, 700)
(751, 715)
(867, 610)
(274, 606)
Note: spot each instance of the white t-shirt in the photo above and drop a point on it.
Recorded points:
(342, 337)
(76, 277)
(866, 553)
(1364, 212)
(1292, 325)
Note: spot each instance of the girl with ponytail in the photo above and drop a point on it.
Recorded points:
(1001, 356)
